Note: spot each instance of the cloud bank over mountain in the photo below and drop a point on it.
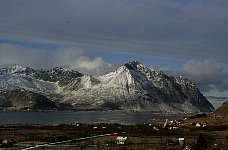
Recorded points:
(207, 74)
(42, 59)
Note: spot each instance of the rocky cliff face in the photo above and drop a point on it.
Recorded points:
(131, 87)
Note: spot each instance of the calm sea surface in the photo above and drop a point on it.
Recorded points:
(44, 118)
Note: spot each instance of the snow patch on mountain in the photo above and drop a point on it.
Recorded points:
(12, 69)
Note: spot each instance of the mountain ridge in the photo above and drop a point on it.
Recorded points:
(132, 86)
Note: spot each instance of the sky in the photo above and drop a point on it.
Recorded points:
(179, 37)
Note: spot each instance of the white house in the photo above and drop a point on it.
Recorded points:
(204, 124)
(198, 125)
(121, 140)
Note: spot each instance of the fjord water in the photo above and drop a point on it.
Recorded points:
(51, 118)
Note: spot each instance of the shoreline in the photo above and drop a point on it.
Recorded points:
(112, 111)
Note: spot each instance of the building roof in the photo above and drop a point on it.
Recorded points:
(181, 139)
(121, 138)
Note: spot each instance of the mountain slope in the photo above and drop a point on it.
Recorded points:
(132, 86)
(223, 110)
(21, 99)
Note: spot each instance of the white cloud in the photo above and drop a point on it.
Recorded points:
(95, 66)
(208, 74)
(72, 58)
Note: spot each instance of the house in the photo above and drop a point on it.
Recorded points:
(198, 125)
(121, 140)
(204, 124)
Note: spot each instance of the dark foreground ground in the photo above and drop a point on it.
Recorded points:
(142, 136)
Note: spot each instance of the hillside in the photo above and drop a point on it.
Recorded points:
(223, 110)
(21, 99)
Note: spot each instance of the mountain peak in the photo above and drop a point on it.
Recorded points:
(59, 69)
(16, 67)
(134, 65)
(134, 62)
(13, 69)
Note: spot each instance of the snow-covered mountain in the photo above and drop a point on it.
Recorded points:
(131, 87)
